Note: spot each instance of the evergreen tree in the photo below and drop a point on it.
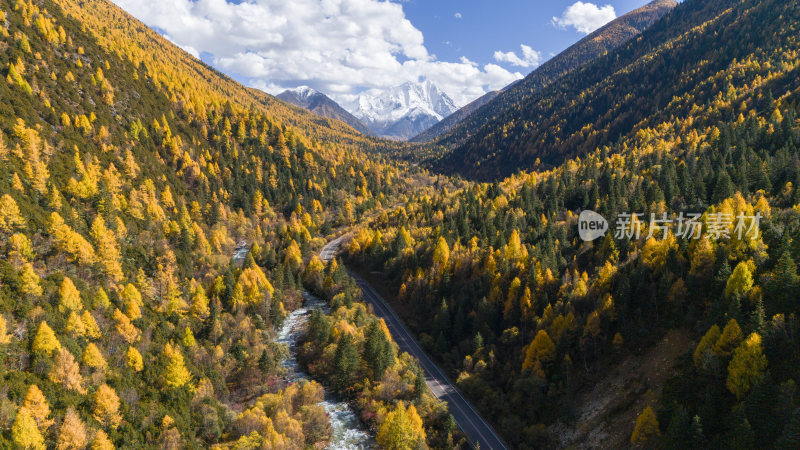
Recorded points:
(345, 363)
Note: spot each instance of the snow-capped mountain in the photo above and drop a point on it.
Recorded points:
(321, 105)
(403, 111)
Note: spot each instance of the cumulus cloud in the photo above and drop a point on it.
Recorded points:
(339, 47)
(585, 17)
(529, 57)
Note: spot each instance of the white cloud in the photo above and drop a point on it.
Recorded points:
(457, 15)
(339, 47)
(585, 17)
(529, 58)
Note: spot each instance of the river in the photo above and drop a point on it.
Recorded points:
(347, 432)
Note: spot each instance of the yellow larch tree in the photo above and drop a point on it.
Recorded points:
(106, 406)
(198, 306)
(175, 372)
(90, 325)
(10, 217)
(125, 328)
(72, 433)
(747, 366)
(255, 287)
(69, 298)
(728, 340)
(101, 441)
(402, 429)
(108, 255)
(540, 351)
(133, 359)
(45, 341)
(93, 357)
(29, 281)
(66, 371)
(132, 301)
(25, 433)
(37, 404)
(646, 427)
(5, 338)
(706, 344)
(75, 326)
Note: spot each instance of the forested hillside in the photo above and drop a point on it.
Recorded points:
(699, 55)
(454, 119)
(129, 174)
(530, 319)
(454, 131)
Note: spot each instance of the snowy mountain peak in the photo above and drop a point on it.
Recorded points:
(402, 109)
(303, 92)
(320, 104)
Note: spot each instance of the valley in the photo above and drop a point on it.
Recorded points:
(189, 262)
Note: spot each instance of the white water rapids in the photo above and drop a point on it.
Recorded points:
(347, 433)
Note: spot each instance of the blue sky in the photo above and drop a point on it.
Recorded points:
(345, 47)
(487, 26)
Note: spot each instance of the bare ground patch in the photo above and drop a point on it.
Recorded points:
(607, 411)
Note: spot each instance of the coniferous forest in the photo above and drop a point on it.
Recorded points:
(159, 222)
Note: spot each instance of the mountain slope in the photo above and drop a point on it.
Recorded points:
(664, 73)
(321, 105)
(129, 175)
(657, 334)
(454, 119)
(402, 111)
(610, 36)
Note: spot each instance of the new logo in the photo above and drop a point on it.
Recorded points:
(591, 225)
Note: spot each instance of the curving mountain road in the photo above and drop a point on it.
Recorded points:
(465, 415)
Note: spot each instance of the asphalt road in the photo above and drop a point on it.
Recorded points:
(465, 415)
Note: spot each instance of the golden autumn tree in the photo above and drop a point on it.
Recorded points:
(402, 429)
(101, 299)
(90, 325)
(10, 217)
(66, 371)
(706, 344)
(188, 339)
(5, 338)
(198, 304)
(101, 441)
(75, 326)
(441, 254)
(254, 287)
(45, 342)
(175, 372)
(741, 280)
(540, 351)
(76, 247)
(69, 298)
(728, 340)
(646, 427)
(747, 366)
(106, 406)
(72, 433)
(133, 359)
(25, 433)
(20, 250)
(132, 301)
(294, 257)
(108, 255)
(125, 328)
(37, 404)
(29, 281)
(93, 357)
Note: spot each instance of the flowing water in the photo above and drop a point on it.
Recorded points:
(346, 430)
